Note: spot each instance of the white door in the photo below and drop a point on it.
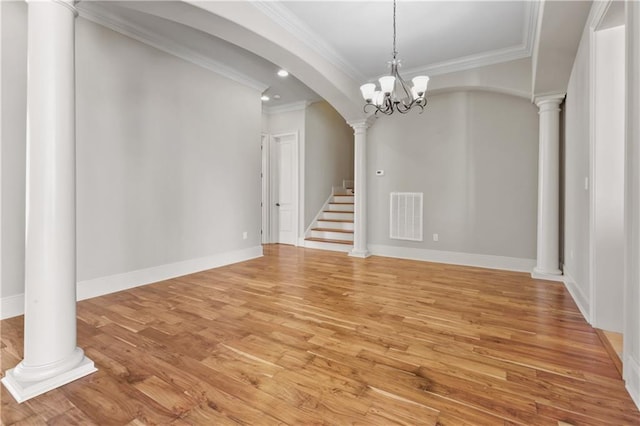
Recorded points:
(284, 194)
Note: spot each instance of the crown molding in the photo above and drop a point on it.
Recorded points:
(294, 106)
(470, 62)
(492, 57)
(292, 24)
(101, 16)
(531, 30)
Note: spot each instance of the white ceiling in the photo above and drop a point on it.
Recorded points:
(434, 37)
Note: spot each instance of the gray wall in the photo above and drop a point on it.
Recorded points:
(576, 208)
(13, 149)
(474, 156)
(328, 156)
(608, 180)
(168, 157)
(166, 171)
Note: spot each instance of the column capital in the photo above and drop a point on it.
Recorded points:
(362, 124)
(549, 99)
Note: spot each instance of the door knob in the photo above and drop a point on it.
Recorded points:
(278, 204)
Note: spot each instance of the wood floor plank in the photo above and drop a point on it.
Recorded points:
(312, 337)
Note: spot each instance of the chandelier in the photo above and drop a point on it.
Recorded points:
(395, 94)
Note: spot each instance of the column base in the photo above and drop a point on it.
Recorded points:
(553, 275)
(23, 390)
(359, 253)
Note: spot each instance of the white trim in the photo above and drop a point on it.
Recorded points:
(481, 88)
(265, 148)
(14, 305)
(577, 295)
(298, 184)
(631, 375)
(2, 307)
(325, 206)
(548, 277)
(290, 107)
(456, 258)
(23, 390)
(111, 284)
(535, 47)
(102, 16)
(472, 61)
(302, 162)
(530, 30)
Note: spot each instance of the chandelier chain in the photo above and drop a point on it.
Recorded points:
(395, 52)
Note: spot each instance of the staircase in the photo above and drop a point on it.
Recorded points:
(333, 227)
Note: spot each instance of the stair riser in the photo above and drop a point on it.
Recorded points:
(342, 236)
(336, 225)
(328, 246)
(343, 198)
(341, 207)
(337, 216)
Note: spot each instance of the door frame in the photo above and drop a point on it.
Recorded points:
(265, 203)
(269, 182)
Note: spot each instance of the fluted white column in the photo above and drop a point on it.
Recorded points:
(548, 258)
(51, 357)
(360, 248)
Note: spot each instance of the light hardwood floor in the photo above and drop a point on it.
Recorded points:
(312, 337)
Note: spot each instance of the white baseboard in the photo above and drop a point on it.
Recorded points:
(105, 285)
(14, 305)
(631, 372)
(456, 258)
(578, 296)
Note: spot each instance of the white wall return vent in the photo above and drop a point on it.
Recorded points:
(405, 217)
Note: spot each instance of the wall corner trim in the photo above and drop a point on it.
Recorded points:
(455, 258)
(12, 306)
(577, 295)
(631, 375)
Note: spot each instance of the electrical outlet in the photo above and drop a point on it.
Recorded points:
(244, 235)
(435, 237)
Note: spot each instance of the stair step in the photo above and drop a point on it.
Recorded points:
(335, 224)
(332, 234)
(337, 215)
(343, 199)
(333, 207)
(325, 240)
(346, 231)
